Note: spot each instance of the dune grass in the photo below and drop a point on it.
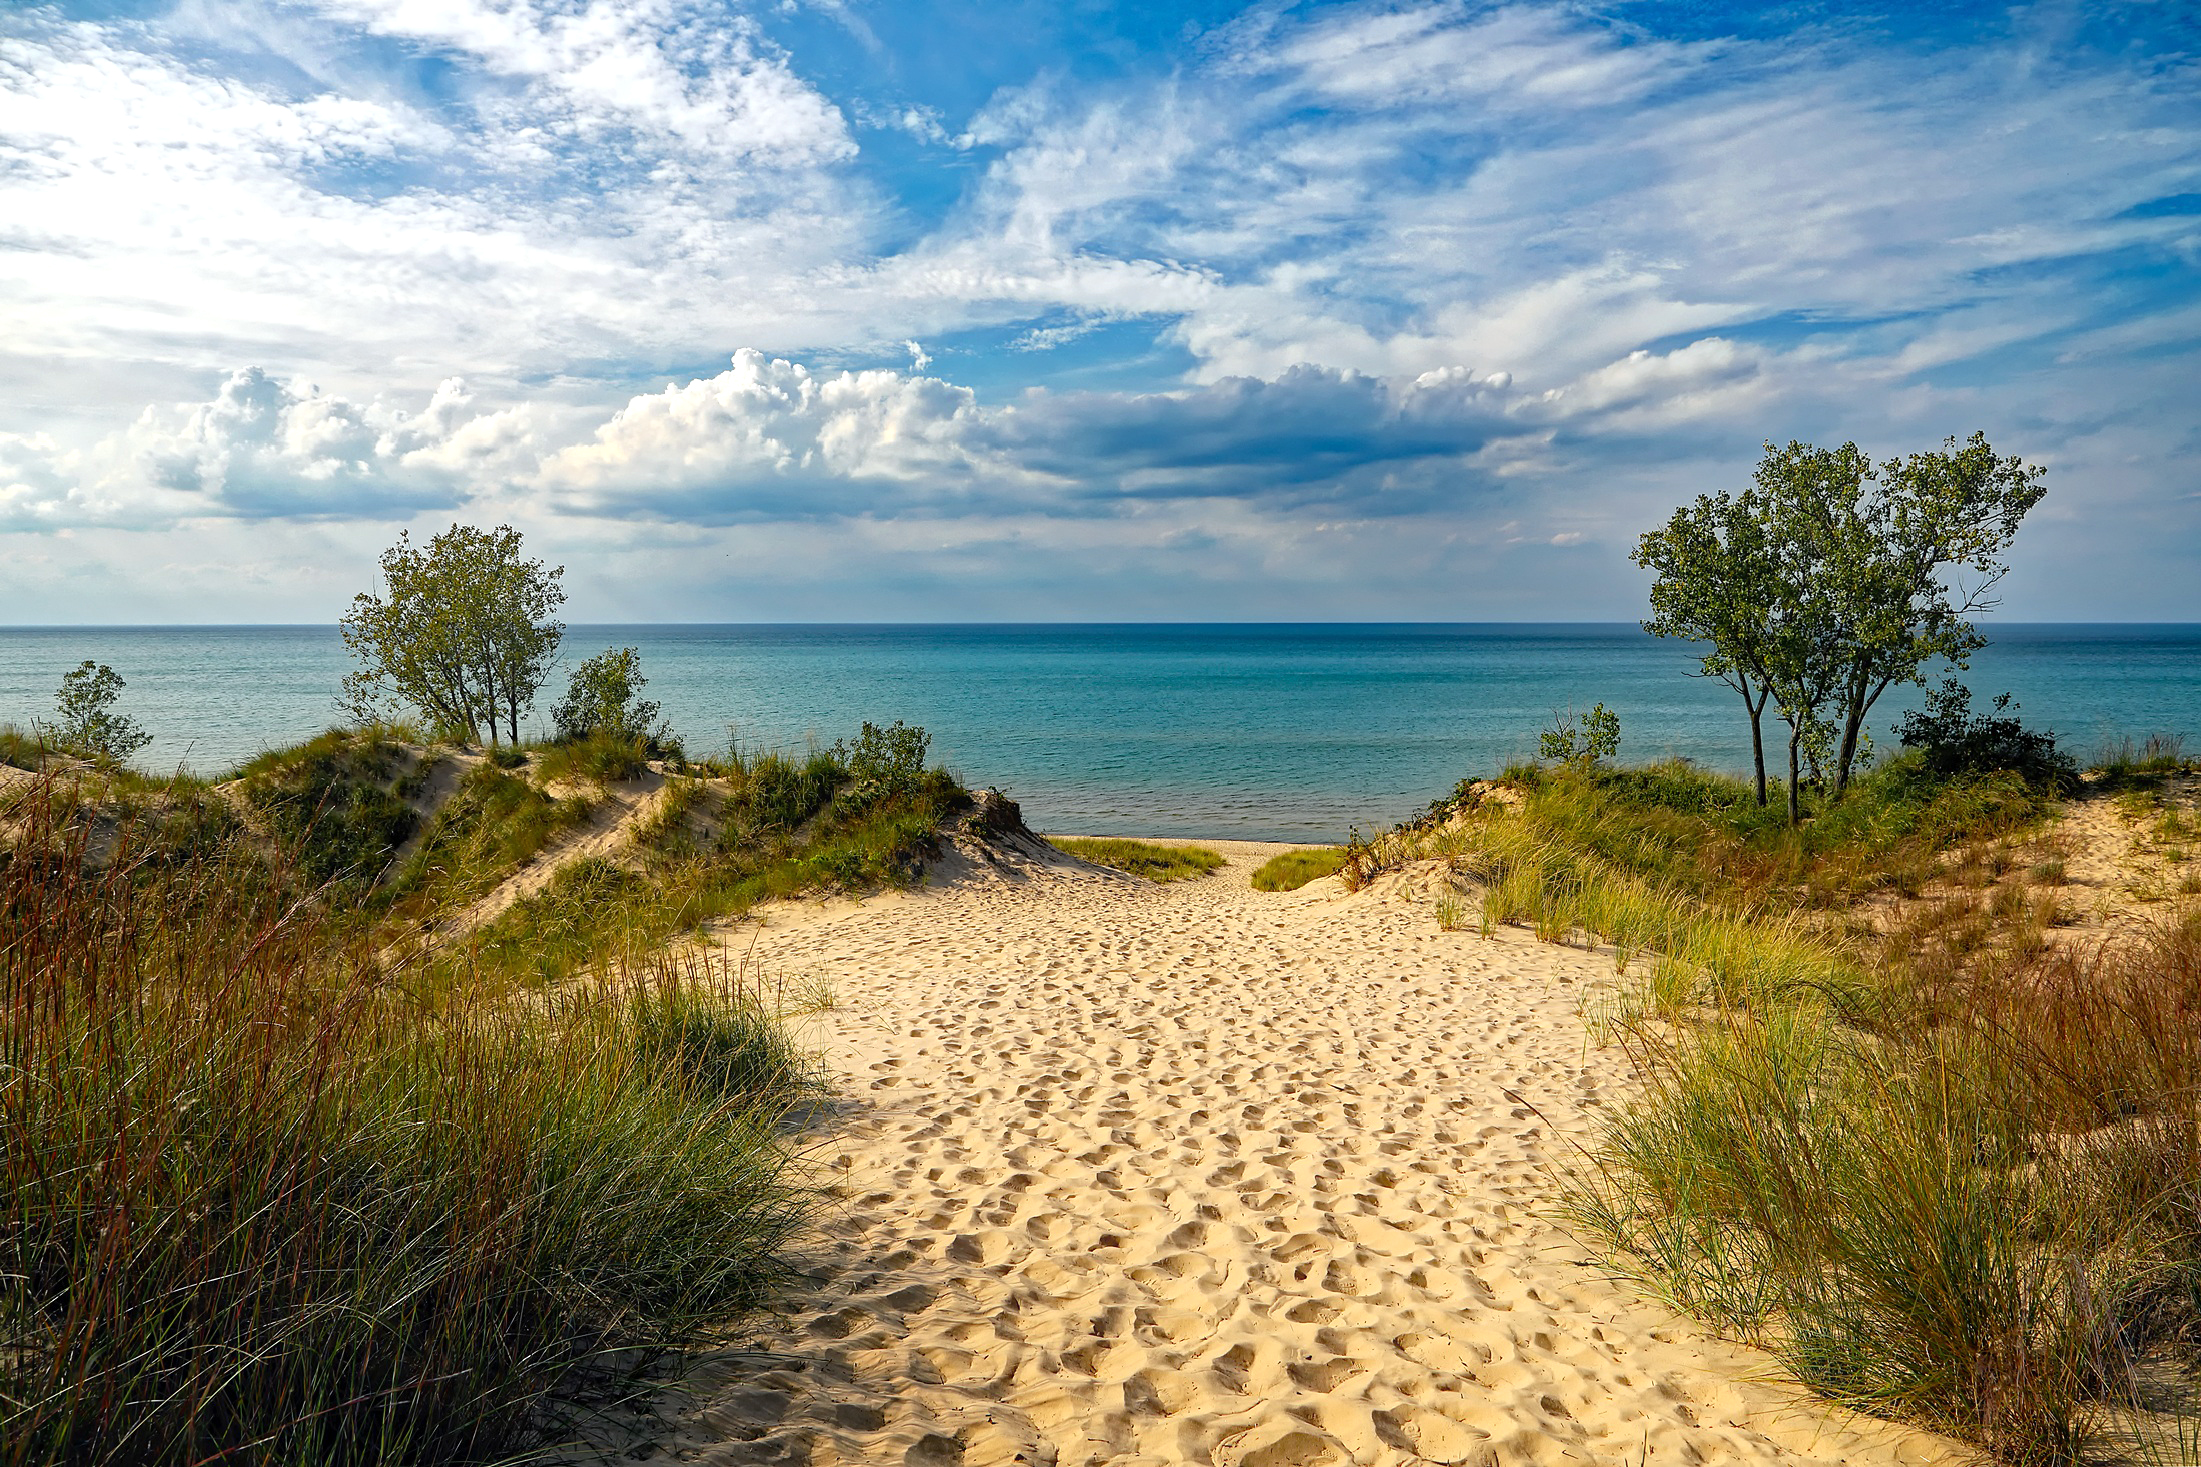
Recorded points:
(785, 825)
(263, 1205)
(1142, 858)
(1944, 1170)
(1294, 869)
(2125, 762)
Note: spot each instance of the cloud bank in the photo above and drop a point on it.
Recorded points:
(1443, 288)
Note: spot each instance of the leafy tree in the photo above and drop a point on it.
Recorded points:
(1717, 583)
(1901, 557)
(463, 635)
(89, 725)
(1585, 740)
(604, 695)
(1830, 580)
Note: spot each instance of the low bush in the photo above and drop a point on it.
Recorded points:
(1294, 869)
(1143, 858)
(1952, 740)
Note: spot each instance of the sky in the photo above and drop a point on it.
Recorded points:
(1028, 310)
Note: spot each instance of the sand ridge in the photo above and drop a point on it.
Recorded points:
(1147, 1175)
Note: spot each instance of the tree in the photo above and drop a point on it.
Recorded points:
(1900, 557)
(1717, 584)
(463, 635)
(604, 696)
(89, 726)
(1822, 584)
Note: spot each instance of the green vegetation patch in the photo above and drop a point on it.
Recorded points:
(331, 804)
(1143, 858)
(492, 824)
(1942, 1169)
(348, 1228)
(1295, 869)
(788, 826)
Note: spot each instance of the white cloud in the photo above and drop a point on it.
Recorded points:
(688, 75)
(266, 449)
(770, 439)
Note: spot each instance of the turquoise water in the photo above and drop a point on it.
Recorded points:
(1257, 732)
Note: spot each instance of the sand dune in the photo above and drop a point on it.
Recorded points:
(1196, 1174)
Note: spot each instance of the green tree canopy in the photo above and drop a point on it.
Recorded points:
(1830, 580)
(604, 695)
(88, 725)
(463, 633)
(1896, 560)
(1717, 583)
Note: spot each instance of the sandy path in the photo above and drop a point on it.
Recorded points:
(1197, 1174)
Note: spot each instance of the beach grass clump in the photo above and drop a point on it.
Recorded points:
(261, 1205)
(22, 748)
(1294, 869)
(1986, 1218)
(1157, 863)
(602, 756)
(2125, 762)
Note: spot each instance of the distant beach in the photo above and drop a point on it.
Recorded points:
(1256, 732)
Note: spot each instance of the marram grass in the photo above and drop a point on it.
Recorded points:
(261, 1207)
(1142, 858)
(1294, 869)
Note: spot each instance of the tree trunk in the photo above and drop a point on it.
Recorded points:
(1757, 741)
(1795, 737)
(1853, 720)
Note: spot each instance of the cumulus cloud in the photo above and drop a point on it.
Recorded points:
(770, 439)
(267, 449)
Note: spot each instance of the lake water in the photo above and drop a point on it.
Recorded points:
(1255, 732)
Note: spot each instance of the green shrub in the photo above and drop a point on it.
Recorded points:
(1143, 858)
(1294, 869)
(883, 762)
(1952, 740)
(604, 696)
(88, 725)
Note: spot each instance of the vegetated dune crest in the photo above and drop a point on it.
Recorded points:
(1138, 1174)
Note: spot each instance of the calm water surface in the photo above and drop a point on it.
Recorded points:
(1257, 732)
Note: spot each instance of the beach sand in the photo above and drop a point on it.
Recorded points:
(1139, 1174)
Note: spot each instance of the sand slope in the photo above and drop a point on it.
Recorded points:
(1193, 1174)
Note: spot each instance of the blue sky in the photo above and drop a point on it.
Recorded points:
(1032, 310)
